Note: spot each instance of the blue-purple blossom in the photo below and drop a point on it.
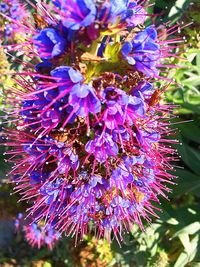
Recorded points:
(3, 7)
(111, 10)
(70, 160)
(120, 134)
(49, 43)
(143, 52)
(38, 176)
(144, 88)
(57, 3)
(77, 13)
(44, 66)
(121, 108)
(121, 177)
(67, 78)
(84, 100)
(51, 190)
(102, 147)
(50, 117)
(135, 15)
(145, 137)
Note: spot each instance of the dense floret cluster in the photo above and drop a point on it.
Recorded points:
(90, 137)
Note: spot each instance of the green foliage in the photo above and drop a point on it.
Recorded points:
(186, 91)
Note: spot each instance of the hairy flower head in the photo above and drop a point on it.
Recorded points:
(90, 137)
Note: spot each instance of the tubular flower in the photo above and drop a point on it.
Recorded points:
(49, 43)
(76, 13)
(89, 132)
(143, 52)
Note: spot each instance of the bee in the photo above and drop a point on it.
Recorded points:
(97, 216)
(61, 137)
(133, 32)
(155, 98)
(40, 22)
(139, 196)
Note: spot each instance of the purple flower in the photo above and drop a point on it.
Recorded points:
(50, 106)
(116, 101)
(129, 162)
(120, 134)
(41, 150)
(37, 177)
(44, 66)
(3, 7)
(51, 190)
(49, 43)
(86, 199)
(77, 13)
(121, 108)
(143, 88)
(147, 138)
(135, 107)
(68, 161)
(94, 180)
(102, 147)
(136, 14)
(143, 52)
(121, 177)
(84, 100)
(57, 3)
(68, 78)
(35, 111)
(38, 236)
(111, 10)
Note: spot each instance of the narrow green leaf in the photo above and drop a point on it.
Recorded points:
(187, 183)
(189, 229)
(190, 156)
(185, 240)
(190, 130)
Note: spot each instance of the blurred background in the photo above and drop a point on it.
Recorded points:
(171, 240)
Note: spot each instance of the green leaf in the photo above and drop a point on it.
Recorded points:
(112, 52)
(187, 183)
(193, 108)
(189, 229)
(182, 260)
(190, 156)
(194, 264)
(178, 8)
(190, 130)
(185, 240)
(185, 257)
